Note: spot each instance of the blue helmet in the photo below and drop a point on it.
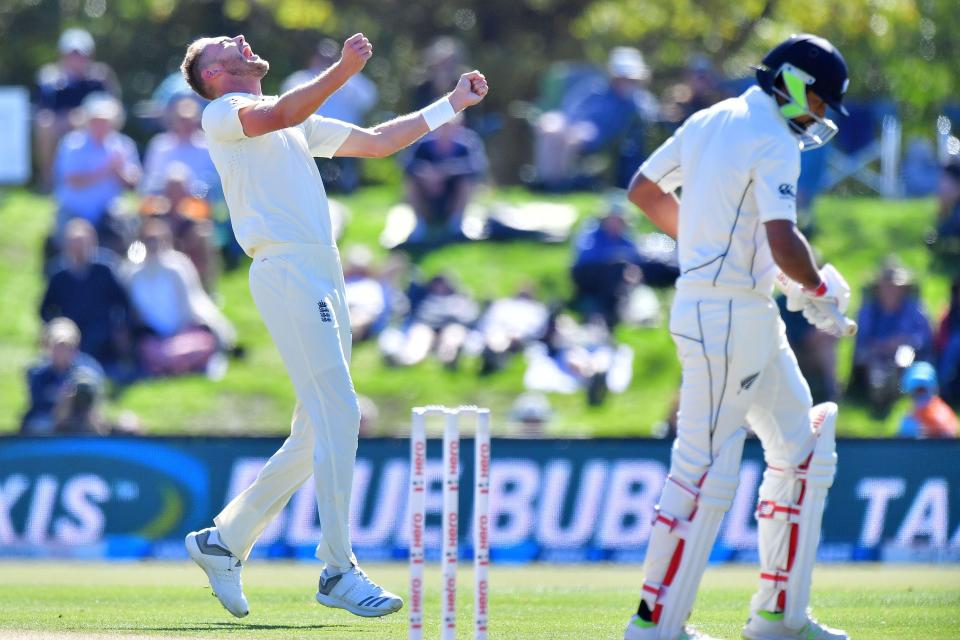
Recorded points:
(803, 62)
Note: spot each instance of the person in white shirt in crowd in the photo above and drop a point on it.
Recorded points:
(183, 142)
(263, 148)
(508, 325)
(737, 164)
(93, 167)
(184, 328)
(350, 103)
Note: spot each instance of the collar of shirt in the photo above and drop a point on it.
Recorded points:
(764, 103)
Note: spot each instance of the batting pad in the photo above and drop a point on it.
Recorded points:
(789, 516)
(673, 597)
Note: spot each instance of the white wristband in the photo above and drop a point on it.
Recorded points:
(438, 114)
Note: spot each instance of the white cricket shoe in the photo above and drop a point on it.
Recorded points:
(764, 625)
(356, 593)
(638, 629)
(222, 569)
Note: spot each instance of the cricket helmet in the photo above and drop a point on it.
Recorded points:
(804, 61)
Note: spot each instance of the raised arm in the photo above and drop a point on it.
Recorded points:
(388, 138)
(298, 104)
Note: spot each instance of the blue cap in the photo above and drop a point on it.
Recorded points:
(920, 375)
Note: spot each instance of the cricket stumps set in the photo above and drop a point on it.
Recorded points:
(450, 517)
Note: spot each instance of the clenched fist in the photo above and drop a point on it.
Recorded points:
(356, 51)
(470, 90)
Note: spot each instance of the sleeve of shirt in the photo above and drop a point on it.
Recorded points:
(775, 177)
(326, 135)
(663, 167)
(221, 118)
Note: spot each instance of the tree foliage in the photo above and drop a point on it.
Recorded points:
(905, 50)
(902, 49)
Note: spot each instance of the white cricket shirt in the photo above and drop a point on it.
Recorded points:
(271, 183)
(737, 164)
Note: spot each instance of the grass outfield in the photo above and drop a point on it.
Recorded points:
(172, 600)
(256, 397)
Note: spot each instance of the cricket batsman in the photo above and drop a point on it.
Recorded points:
(737, 164)
(263, 148)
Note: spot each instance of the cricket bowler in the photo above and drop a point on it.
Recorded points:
(263, 148)
(737, 164)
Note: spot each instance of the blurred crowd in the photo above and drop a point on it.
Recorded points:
(140, 237)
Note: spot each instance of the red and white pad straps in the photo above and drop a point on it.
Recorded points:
(789, 514)
(695, 498)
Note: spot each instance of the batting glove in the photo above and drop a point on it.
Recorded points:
(833, 289)
(825, 307)
(793, 291)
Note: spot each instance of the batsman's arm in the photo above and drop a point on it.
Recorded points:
(298, 104)
(388, 138)
(792, 253)
(663, 209)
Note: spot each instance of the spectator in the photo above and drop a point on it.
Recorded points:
(894, 329)
(183, 329)
(350, 103)
(946, 240)
(605, 265)
(86, 290)
(183, 142)
(443, 64)
(948, 347)
(948, 193)
(442, 174)
(61, 87)
(93, 167)
(62, 368)
(930, 417)
(920, 168)
(370, 298)
(594, 117)
(369, 417)
(439, 320)
(80, 411)
(152, 113)
(508, 325)
(699, 89)
(575, 357)
(531, 413)
(189, 220)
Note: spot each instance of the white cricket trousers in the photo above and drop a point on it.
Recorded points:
(299, 291)
(738, 369)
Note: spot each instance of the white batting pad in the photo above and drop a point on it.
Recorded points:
(789, 516)
(671, 590)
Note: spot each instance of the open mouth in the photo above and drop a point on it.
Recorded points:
(248, 52)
